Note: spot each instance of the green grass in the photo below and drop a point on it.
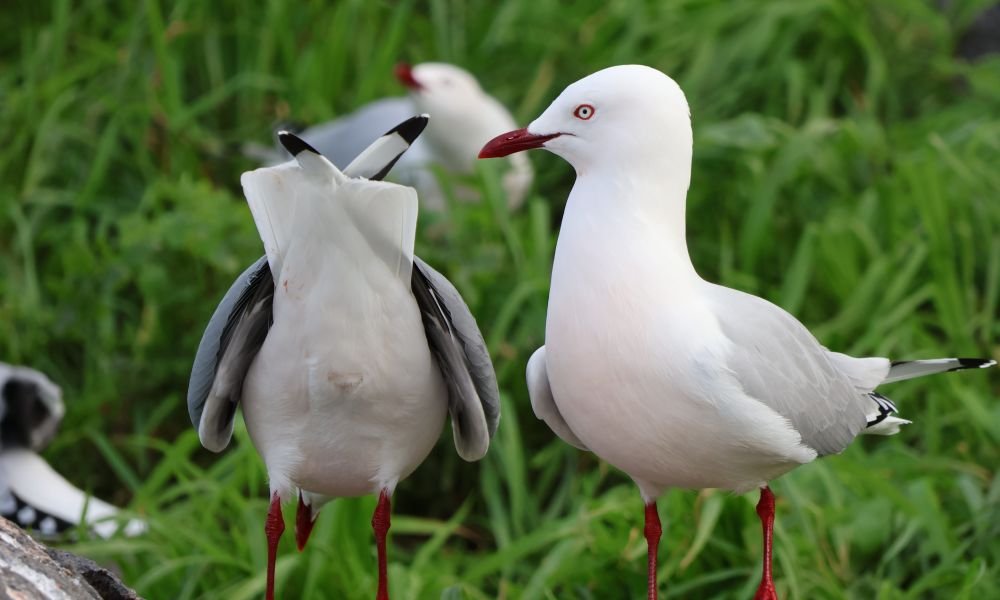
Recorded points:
(845, 168)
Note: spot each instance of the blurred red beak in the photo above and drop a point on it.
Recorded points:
(404, 73)
(514, 141)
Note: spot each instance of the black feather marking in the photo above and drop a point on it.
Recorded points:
(252, 316)
(15, 508)
(409, 130)
(885, 408)
(385, 170)
(974, 363)
(258, 285)
(294, 144)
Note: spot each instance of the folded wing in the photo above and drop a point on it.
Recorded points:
(461, 354)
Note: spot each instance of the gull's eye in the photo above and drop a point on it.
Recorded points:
(583, 112)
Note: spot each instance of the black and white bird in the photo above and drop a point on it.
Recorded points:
(345, 350)
(32, 493)
(676, 381)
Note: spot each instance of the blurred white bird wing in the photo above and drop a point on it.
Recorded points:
(543, 403)
(461, 354)
(778, 362)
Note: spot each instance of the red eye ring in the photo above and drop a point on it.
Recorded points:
(584, 112)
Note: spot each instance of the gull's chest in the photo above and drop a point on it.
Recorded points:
(624, 308)
(610, 335)
(629, 350)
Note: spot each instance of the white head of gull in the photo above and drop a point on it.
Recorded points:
(676, 381)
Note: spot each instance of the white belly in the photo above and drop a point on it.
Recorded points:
(344, 397)
(635, 372)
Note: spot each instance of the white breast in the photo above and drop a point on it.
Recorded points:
(633, 359)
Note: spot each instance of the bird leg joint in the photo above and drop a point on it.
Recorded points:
(653, 529)
(381, 520)
(274, 525)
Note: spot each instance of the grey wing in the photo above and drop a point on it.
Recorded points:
(461, 354)
(232, 339)
(778, 362)
(543, 403)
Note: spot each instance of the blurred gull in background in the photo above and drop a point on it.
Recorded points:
(347, 367)
(676, 381)
(463, 118)
(32, 493)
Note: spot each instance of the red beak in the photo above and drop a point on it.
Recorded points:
(404, 73)
(514, 141)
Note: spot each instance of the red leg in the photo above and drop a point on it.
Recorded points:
(304, 521)
(653, 532)
(765, 510)
(380, 523)
(274, 526)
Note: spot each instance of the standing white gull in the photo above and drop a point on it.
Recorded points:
(463, 118)
(676, 381)
(346, 368)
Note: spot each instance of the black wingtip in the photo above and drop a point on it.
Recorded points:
(976, 363)
(294, 144)
(411, 128)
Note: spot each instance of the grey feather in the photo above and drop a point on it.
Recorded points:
(249, 296)
(778, 362)
(461, 354)
(543, 403)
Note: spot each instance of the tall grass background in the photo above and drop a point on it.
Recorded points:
(846, 168)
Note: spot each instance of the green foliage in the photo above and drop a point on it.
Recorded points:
(845, 167)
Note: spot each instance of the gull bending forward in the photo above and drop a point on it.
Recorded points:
(676, 381)
(344, 348)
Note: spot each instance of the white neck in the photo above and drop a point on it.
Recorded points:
(627, 219)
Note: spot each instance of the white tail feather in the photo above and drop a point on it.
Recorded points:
(887, 426)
